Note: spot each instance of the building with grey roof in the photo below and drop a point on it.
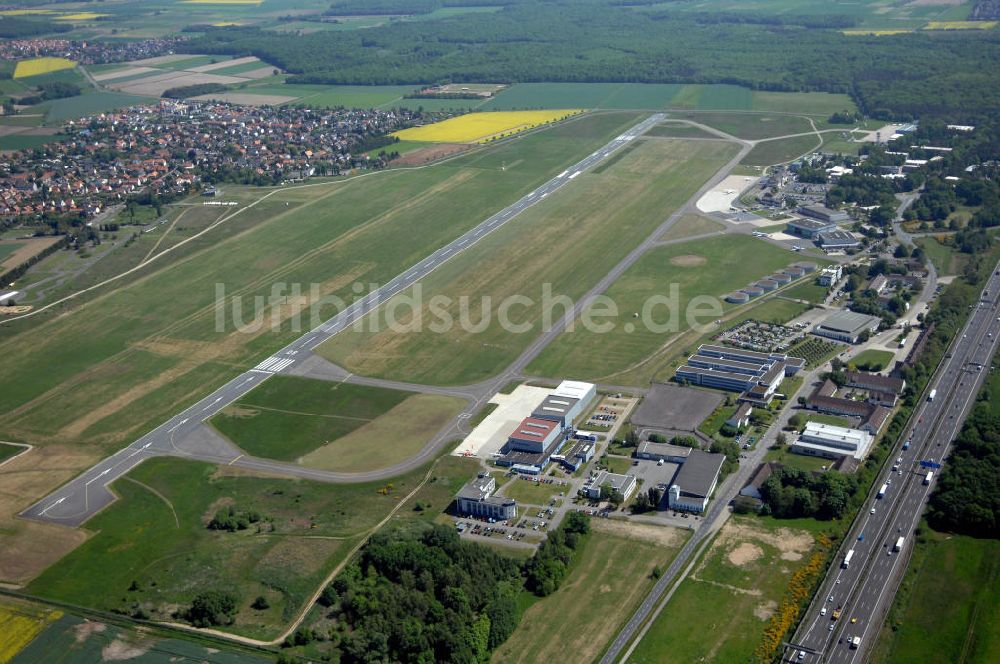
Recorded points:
(624, 485)
(823, 213)
(662, 452)
(695, 481)
(558, 409)
(809, 228)
(476, 499)
(847, 326)
(838, 239)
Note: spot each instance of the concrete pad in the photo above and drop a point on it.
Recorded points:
(783, 237)
(884, 134)
(721, 197)
(487, 438)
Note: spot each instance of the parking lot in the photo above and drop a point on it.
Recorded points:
(672, 407)
(609, 411)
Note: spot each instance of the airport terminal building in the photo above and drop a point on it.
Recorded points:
(476, 499)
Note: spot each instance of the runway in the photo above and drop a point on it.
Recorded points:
(84, 496)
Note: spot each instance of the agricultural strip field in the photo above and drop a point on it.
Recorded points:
(734, 589)
(567, 241)
(37, 66)
(153, 344)
(157, 535)
(656, 96)
(712, 267)
(947, 609)
(20, 623)
(781, 150)
(482, 127)
(334, 426)
(611, 577)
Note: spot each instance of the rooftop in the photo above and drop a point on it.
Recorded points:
(849, 322)
(699, 472)
(532, 428)
(663, 449)
(478, 489)
(573, 389)
(810, 224)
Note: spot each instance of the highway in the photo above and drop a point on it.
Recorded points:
(75, 502)
(864, 590)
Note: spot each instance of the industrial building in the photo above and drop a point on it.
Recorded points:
(562, 410)
(695, 481)
(830, 275)
(577, 456)
(874, 382)
(838, 239)
(741, 417)
(662, 452)
(533, 435)
(832, 442)
(810, 228)
(476, 499)
(738, 370)
(624, 485)
(847, 326)
(823, 213)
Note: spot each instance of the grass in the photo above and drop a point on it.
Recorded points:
(606, 583)
(8, 451)
(20, 624)
(752, 126)
(877, 360)
(946, 259)
(25, 142)
(689, 225)
(594, 221)
(947, 609)
(70, 108)
(833, 420)
(801, 462)
(733, 589)
(37, 66)
(287, 417)
(780, 151)
(723, 264)
(156, 535)
(531, 492)
(679, 130)
(482, 127)
(809, 291)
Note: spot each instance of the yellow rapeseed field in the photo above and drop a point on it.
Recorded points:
(960, 25)
(36, 66)
(482, 127)
(80, 16)
(877, 33)
(25, 12)
(19, 627)
(222, 2)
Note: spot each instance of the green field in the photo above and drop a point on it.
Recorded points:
(780, 151)
(531, 492)
(876, 359)
(655, 96)
(945, 258)
(808, 290)
(733, 589)
(752, 126)
(947, 608)
(156, 535)
(833, 420)
(710, 267)
(679, 130)
(350, 96)
(802, 462)
(568, 241)
(60, 110)
(332, 425)
(25, 142)
(7, 451)
(815, 351)
(605, 585)
(690, 225)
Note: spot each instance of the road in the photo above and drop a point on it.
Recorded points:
(85, 495)
(865, 589)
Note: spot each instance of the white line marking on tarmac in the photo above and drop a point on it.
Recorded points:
(236, 459)
(217, 400)
(58, 502)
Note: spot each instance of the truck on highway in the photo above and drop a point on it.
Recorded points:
(899, 544)
(847, 559)
(855, 642)
(931, 395)
(928, 477)
(882, 490)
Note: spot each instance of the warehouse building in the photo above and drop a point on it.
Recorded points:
(838, 239)
(739, 370)
(562, 410)
(662, 452)
(810, 228)
(577, 456)
(695, 481)
(624, 485)
(476, 499)
(832, 442)
(533, 435)
(847, 326)
(823, 213)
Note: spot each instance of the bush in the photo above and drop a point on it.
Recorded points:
(211, 608)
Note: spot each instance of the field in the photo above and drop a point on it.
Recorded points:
(690, 225)
(947, 609)
(8, 451)
(752, 126)
(734, 589)
(531, 492)
(482, 127)
(20, 624)
(945, 258)
(37, 66)
(808, 290)
(710, 267)
(781, 150)
(567, 241)
(92, 103)
(833, 420)
(960, 25)
(157, 536)
(151, 345)
(815, 351)
(874, 358)
(603, 588)
(658, 96)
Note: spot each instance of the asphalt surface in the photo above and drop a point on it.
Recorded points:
(865, 589)
(75, 502)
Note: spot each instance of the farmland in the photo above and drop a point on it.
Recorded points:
(334, 426)
(736, 587)
(20, 624)
(604, 586)
(482, 127)
(751, 126)
(594, 222)
(151, 345)
(157, 536)
(946, 609)
(38, 66)
(723, 264)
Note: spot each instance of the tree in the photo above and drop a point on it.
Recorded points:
(212, 607)
(901, 251)
(261, 603)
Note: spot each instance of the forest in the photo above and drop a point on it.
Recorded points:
(891, 76)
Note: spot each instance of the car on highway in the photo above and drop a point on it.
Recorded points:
(873, 511)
